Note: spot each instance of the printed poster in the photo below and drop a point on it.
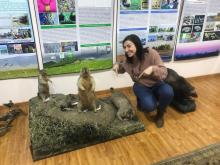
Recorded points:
(75, 34)
(155, 22)
(17, 46)
(199, 34)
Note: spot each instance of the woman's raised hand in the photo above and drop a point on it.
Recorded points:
(116, 68)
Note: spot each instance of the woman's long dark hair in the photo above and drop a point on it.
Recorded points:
(139, 48)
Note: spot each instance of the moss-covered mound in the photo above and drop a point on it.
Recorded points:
(53, 131)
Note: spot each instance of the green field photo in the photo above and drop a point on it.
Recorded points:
(75, 67)
(21, 73)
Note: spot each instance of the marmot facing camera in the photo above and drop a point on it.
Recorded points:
(86, 91)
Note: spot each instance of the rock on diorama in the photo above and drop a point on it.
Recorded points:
(58, 125)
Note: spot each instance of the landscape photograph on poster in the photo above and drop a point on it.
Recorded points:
(197, 50)
(210, 26)
(20, 19)
(213, 17)
(165, 49)
(18, 57)
(18, 60)
(95, 57)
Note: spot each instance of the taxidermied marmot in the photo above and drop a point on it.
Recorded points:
(43, 87)
(86, 91)
(123, 105)
(184, 92)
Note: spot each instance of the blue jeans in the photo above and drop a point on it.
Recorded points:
(148, 98)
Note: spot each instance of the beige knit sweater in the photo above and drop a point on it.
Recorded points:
(151, 58)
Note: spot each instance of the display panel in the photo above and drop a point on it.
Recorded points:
(17, 45)
(199, 34)
(155, 22)
(74, 34)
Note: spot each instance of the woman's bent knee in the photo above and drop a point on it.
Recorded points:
(147, 105)
(167, 92)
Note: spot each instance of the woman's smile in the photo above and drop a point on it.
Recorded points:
(130, 48)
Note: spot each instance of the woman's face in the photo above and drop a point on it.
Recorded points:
(129, 48)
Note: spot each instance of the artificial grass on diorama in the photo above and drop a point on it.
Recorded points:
(20, 73)
(75, 67)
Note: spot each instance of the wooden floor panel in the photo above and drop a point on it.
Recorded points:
(181, 133)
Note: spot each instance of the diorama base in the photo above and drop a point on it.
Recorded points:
(54, 130)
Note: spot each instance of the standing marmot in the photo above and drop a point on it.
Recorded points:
(86, 91)
(43, 87)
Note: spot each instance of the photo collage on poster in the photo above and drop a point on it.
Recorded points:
(199, 30)
(56, 12)
(17, 45)
(212, 27)
(155, 23)
(64, 41)
(59, 18)
(16, 33)
(57, 21)
(191, 30)
(163, 26)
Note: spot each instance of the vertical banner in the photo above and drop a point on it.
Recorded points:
(199, 34)
(17, 46)
(133, 18)
(74, 34)
(154, 21)
(163, 26)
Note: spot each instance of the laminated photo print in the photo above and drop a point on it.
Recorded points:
(67, 18)
(48, 18)
(46, 6)
(70, 46)
(20, 19)
(66, 5)
(131, 5)
(169, 4)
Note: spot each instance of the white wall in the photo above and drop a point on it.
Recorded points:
(20, 90)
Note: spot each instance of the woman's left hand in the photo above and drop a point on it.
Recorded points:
(147, 71)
